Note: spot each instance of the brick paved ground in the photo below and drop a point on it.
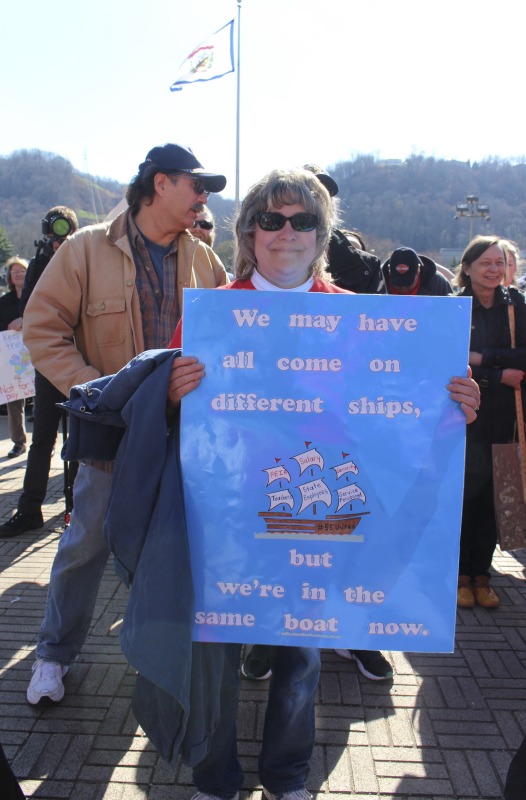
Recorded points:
(445, 728)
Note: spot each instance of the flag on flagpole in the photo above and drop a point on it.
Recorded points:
(213, 58)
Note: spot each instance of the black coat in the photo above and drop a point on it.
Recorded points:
(352, 269)
(9, 309)
(490, 335)
(35, 269)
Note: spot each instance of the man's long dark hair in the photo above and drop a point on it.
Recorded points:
(141, 189)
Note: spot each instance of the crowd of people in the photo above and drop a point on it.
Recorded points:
(113, 291)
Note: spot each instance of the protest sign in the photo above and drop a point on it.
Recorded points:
(17, 376)
(323, 465)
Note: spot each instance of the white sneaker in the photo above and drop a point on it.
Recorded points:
(202, 796)
(46, 682)
(298, 794)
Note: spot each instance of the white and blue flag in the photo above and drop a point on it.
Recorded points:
(213, 58)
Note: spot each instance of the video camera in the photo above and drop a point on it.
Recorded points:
(55, 228)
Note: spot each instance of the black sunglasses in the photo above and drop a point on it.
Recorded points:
(199, 185)
(205, 224)
(274, 221)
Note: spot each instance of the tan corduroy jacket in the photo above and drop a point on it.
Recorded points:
(83, 318)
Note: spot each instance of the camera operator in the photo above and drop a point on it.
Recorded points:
(59, 223)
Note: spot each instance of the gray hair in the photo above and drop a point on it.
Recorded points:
(277, 189)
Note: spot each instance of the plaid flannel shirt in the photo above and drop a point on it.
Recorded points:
(159, 309)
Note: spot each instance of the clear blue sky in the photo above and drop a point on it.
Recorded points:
(320, 82)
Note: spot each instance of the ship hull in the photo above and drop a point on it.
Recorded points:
(333, 525)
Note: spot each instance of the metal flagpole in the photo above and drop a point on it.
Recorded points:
(237, 98)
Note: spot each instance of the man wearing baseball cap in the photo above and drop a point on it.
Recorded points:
(111, 291)
(408, 273)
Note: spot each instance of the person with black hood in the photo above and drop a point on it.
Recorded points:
(351, 268)
(407, 273)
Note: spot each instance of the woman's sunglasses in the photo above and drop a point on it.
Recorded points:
(274, 221)
(205, 224)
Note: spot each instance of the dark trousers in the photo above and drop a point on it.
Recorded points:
(515, 788)
(45, 428)
(478, 534)
(10, 789)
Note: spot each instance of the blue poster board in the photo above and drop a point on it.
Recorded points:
(323, 467)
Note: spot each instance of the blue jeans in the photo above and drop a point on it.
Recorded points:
(77, 570)
(288, 734)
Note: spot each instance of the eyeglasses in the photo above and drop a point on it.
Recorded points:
(198, 183)
(274, 221)
(205, 224)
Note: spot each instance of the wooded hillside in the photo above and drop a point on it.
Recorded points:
(31, 182)
(408, 203)
(413, 203)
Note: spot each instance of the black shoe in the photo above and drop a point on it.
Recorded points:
(256, 666)
(16, 450)
(20, 523)
(371, 663)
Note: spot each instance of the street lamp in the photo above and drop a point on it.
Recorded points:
(472, 208)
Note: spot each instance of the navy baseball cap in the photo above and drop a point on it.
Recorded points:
(177, 158)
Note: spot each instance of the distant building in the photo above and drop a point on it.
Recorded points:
(391, 162)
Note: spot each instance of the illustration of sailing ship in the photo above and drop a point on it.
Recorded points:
(314, 495)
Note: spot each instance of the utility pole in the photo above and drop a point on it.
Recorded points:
(472, 208)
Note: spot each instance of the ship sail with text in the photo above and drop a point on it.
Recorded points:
(301, 508)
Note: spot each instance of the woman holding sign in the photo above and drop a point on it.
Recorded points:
(282, 234)
(11, 320)
(499, 369)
